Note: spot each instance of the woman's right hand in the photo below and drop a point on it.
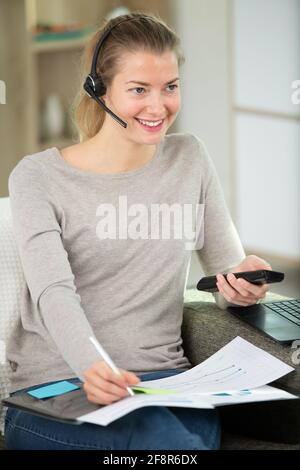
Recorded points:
(103, 387)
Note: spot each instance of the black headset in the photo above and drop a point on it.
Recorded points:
(93, 84)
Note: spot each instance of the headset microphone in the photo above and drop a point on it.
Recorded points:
(93, 85)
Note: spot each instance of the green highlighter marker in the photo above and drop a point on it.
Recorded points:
(153, 391)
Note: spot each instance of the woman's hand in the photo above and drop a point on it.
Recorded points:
(102, 386)
(239, 291)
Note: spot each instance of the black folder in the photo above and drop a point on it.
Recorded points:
(65, 408)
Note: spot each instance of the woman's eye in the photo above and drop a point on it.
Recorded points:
(141, 88)
(176, 86)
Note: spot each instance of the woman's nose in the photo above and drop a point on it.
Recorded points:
(156, 105)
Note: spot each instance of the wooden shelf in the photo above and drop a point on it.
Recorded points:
(60, 44)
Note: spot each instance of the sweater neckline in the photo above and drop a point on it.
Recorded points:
(124, 174)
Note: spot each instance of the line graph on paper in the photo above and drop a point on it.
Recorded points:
(237, 366)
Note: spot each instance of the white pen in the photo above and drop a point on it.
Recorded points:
(108, 360)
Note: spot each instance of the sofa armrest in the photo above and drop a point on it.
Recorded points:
(206, 328)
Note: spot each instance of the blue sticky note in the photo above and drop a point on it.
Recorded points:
(53, 390)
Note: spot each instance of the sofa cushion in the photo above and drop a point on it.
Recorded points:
(235, 441)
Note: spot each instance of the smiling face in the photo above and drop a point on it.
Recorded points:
(156, 99)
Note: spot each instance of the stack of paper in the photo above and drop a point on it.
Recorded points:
(237, 373)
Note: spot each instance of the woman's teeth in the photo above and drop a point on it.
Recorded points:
(150, 123)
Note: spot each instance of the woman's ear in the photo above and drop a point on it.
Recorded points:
(105, 98)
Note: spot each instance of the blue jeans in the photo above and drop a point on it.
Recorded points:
(148, 428)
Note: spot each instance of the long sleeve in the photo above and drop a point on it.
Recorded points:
(222, 248)
(58, 315)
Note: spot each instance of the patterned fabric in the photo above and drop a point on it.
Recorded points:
(12, 282)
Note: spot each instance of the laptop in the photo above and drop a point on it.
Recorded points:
(280, 320)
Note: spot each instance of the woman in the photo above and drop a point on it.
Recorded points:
(106, 277)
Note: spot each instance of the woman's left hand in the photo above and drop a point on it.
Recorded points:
(239, 291)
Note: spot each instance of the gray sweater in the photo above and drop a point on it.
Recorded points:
(83, 278)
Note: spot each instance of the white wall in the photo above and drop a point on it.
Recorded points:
(266, 43)
(206, 105)
(266, 46)
(203, 28)
(241, 59)
(268, 172)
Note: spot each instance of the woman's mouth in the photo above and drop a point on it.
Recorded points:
(150, 126)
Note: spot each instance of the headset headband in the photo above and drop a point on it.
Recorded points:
(99, 44)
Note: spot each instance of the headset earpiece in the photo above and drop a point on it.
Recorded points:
(94, 84)
(90, 86)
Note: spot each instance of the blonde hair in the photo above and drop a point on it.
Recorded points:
(141, 33)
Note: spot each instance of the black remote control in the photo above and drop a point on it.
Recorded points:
(262, 276)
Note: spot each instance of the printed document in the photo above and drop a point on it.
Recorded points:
(237, 373)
